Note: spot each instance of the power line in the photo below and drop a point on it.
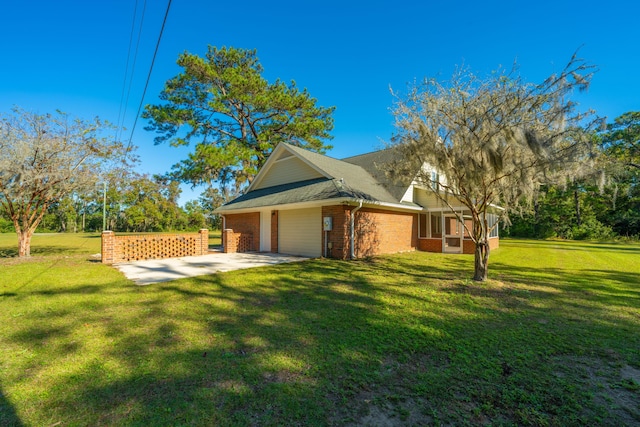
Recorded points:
(133, 67)
(149, 75)
(119, 123)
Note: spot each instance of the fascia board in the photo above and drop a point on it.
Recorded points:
(271, 161)
(327, 202)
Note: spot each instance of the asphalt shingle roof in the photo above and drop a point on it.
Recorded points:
(360, 177)
(353, 176)
(295, 192)
(377, 164)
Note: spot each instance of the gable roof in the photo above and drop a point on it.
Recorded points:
(377, 164)
(354, 178)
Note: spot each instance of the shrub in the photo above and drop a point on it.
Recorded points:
(591, 229)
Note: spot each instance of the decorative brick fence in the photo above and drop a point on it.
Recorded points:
(137, 247)
(237, 242)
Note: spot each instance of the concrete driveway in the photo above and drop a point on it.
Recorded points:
(163, 270)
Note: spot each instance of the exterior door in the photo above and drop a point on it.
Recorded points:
(452, 239)
(265, 231)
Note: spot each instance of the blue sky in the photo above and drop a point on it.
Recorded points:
(72, 55)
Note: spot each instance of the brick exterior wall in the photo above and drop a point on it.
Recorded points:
(494, 243)
(385, 232)
(138, 247)
(338, 237)
(435, 245)
(430, 245)
(376, 232)
(468, 247)
(242, 233)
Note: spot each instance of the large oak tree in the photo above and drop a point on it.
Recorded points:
(234, 116)
(45, 157)
(496, 139)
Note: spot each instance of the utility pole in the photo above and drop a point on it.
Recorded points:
(104, 207)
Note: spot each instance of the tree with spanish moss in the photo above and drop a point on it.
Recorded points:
(496, 139)
(43, 159)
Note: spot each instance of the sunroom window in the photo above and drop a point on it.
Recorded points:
(423, 229)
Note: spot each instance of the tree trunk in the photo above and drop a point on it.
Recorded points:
(481, 261)
(576, 199)
(24, 243)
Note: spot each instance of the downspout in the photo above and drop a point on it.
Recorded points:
(224, 225)
(352, 234)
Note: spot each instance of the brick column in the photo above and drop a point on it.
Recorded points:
(108, 242)
(204, 241)
(229, 241)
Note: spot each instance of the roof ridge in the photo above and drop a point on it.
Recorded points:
(342, 159)
(306, 152)
(368, 153)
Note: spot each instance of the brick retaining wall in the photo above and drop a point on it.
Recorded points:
(138, 247)
(241, 233)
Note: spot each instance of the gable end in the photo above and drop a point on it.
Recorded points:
(286, 170)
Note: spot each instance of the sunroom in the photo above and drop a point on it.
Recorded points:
(443, 231)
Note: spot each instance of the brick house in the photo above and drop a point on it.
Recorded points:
(305, 203)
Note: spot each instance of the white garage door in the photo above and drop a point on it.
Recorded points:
(300, 232)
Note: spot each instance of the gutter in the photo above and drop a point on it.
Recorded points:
(224, 226)
(318, 203)
(352, 231)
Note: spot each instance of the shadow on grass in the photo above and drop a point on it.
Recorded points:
(8, 416)
(267, 350)
(311, 343)
(39, 251)
(41, 244)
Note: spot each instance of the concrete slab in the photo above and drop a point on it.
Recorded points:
(163, 270)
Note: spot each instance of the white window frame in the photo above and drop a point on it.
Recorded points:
(438, 224)
(427, 233)
(435, 180)
(492, 219)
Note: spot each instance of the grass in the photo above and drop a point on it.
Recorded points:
(552, 339)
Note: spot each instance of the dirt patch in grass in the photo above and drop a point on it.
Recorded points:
(384, 407)
(616, 385)
(392, 414)
(389, 400)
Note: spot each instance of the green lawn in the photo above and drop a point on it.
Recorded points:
(552, 339)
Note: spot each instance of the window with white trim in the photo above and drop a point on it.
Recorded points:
(436, 225)
(492, 219)
(468, 222)
(423, 228)
(435, 180)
